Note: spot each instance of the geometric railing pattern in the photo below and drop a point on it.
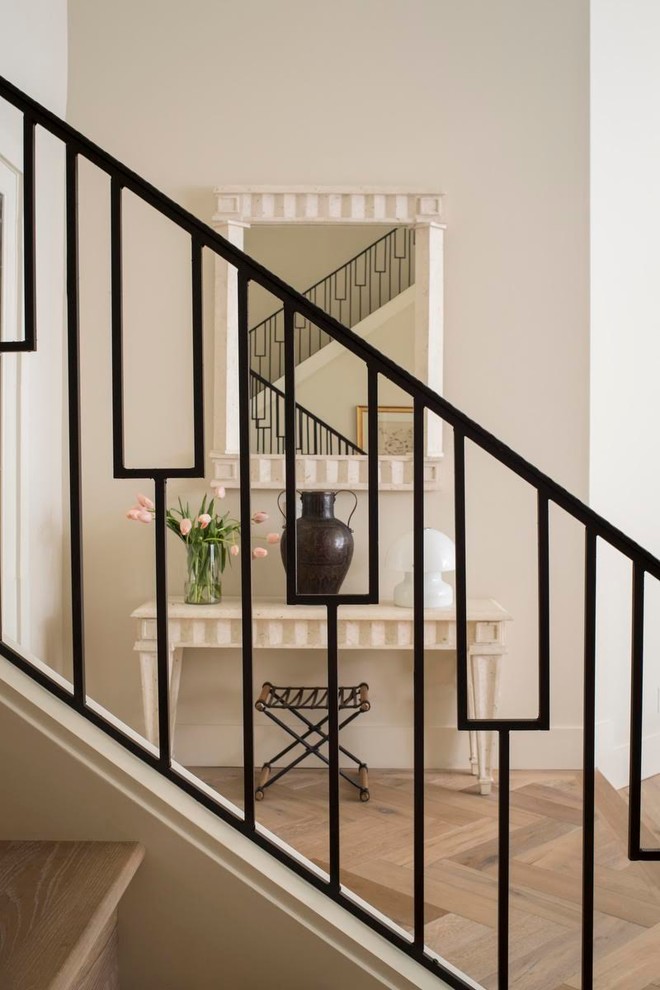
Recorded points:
(425, 402)
(352, 292)
(313, 435)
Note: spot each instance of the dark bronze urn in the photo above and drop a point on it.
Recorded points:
(324, 544)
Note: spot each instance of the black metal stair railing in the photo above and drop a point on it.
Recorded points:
(424, 402)
(352, 292)
(313, 435)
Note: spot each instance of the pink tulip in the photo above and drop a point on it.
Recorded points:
(145, 502)
(234, 550)
(259, 552)
(185, 526)
(134, 513)
(260, 517)
(204, 520)
(220, 491)
(144, 516)
(273, 538)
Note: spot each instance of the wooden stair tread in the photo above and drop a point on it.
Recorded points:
(56, 901)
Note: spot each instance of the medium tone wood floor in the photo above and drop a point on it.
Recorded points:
(461, 868)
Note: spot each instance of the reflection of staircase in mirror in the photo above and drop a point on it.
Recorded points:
(353, 292)
(349, 294)
(313, 436)
(325, 457)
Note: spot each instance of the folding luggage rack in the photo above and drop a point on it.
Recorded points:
(298, 700)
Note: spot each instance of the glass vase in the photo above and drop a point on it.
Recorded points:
(204, 585)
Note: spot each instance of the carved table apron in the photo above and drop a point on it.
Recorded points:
(302, 627)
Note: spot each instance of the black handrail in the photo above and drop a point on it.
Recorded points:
(424, 401)
(255, 272)
(350, 293)
(313, 435)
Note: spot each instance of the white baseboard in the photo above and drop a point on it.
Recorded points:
(614, 761)
(381, 746)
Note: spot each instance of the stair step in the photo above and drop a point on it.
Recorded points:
(324, 471)
(58, 903)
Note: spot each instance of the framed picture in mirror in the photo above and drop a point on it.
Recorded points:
(395, 429)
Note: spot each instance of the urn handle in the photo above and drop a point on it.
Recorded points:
(348, 491)
(282, 512)
(340, 491)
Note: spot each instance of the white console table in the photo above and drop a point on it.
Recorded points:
(277, 626)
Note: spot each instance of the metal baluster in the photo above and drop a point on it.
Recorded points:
(162, 632)
(460, 581)
(589, 730)
(198, 355)
(418, 672)
(271, 441)
(371, 282)
(290, 452)
(411, 257)
(280, 348)
(372, 483)
(116, 295)
(389, 246)
(544, 610)
(29, 247)
(278, 431)
(333, 747)
(636, 715)
(73, 374)
(381, 269)
(246, 558)
(503, 865)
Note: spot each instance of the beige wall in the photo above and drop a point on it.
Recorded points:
(33, 55)
(485, 101)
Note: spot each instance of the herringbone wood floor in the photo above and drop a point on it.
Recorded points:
(461, 868)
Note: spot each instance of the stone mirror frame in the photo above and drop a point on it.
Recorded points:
(239, 207)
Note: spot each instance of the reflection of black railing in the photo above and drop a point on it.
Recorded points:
(313, 436)
(349, 294)
(425, 402)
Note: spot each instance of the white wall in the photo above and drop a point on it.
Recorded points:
(487, 102)
(33, 55)
(625, 345)
(33, 49)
